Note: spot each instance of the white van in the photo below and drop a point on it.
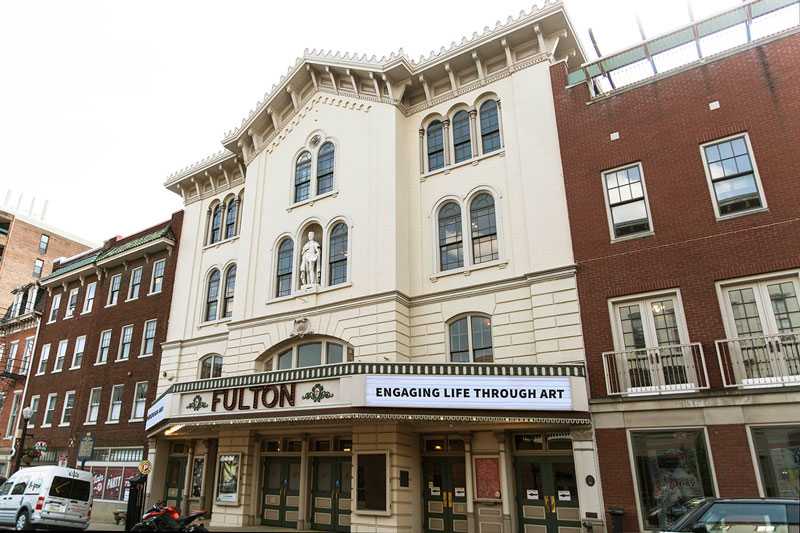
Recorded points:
(46, 497)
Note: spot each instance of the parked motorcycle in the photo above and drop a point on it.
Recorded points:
(163, 517)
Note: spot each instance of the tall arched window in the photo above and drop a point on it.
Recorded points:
(337, 256)
(227, 298)
(312, 350)
(471, 339)
(462, 145)
(435, 146)
(212, 296)
(231, 214)
(215, 235)
(451, 249)
(211, 366)
(325, 168)
(302, 177)
(490, 127)
(484, 229)
(284, 270)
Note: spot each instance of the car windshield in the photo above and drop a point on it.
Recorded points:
(688, 519)
(73, 489)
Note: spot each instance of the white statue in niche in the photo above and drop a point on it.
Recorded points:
(309, 262)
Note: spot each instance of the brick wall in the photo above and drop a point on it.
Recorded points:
(615, 474)
(662, 125)
(732, 461)
(9, 385)
(89, 375)
(22, 249)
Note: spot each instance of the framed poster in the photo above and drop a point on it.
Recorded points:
(229, 470)
(487, 477)
(198, 476)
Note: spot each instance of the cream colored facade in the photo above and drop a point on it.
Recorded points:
(392, 311)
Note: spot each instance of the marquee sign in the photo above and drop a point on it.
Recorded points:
(470, 392)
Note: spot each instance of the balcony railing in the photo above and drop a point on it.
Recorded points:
(766, 361)
(661, 370)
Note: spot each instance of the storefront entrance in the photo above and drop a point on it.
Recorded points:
(444, 494)
(281, 491)
(331, 493)
(176, 474)
(547, 493)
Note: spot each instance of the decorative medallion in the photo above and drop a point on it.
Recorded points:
(317, 393)
(197, 404)
(301, 327)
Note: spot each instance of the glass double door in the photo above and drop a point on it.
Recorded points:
(331, 490)
(547, 494)
(281, 491)
(445, 494)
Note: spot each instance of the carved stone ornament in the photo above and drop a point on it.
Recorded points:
(197, 403)
(301, 327)
(317, 393)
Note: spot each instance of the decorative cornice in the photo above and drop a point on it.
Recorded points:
(199, 166)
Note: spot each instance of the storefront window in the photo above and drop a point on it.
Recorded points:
(672, 469)
(778, 452)
(371, 482)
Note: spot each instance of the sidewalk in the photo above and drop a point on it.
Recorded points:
(100, 526)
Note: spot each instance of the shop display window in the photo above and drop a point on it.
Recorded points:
(778, 453)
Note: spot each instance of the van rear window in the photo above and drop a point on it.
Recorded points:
(73, 489)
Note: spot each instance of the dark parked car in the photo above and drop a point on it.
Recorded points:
(738, 515)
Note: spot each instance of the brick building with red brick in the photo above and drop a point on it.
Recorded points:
(683, 187)
(98, 354)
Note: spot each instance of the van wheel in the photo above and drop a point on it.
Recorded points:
(23, 521)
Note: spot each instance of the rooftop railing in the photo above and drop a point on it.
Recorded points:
(749, 23)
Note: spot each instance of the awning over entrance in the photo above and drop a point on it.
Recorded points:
(373, 392)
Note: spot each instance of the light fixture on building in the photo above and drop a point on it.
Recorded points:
(174, 429)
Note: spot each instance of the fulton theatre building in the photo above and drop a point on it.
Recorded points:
(375, 323)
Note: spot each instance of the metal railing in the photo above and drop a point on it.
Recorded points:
(764, 361)
(659, 370)
(749, 23)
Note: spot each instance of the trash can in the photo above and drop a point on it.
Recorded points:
(617, 513)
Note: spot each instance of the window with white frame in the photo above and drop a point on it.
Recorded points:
(337, 255)
(302, 177)
(44, 355)
(135, 283)
(61, 354)
(484, 229)
(451, 244)
(310, 352)
(470, 339)
(283, 271)
(77, 352)
(38, 267)
(55, 303)
(72, 302)
(231, 216)
(113, 289)
(435, 145)
(88, 300)
(626, 200)
(314, 175)
(732, 174)
(67, 408)
(105, 347)
(27, 355)
(490, 126)
(125, 343)
(228, 291)
(325, 160)
(115, 407)
(34, 407)
(211, 366)
(44, 243)
(93, 410)
(215, 233)
(50, 409)
(212, 296)
(139, 401)
(149, 337)
(12, 417)
(157, 279)
(13, 348)
(462, 141)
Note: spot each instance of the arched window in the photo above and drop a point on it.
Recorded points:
(231, 214)
(215, 235)
(471, 339)
(211, 366)
(337, 255)
(484, 229)
(435, 146)
(212, 296)
(314, 351)
(284, 269)
(302, 177)
(227, 298)
(490, 127)
(462, 145)
(451, 249)
(325, 168)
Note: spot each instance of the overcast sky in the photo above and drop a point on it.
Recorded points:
(100, 101)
